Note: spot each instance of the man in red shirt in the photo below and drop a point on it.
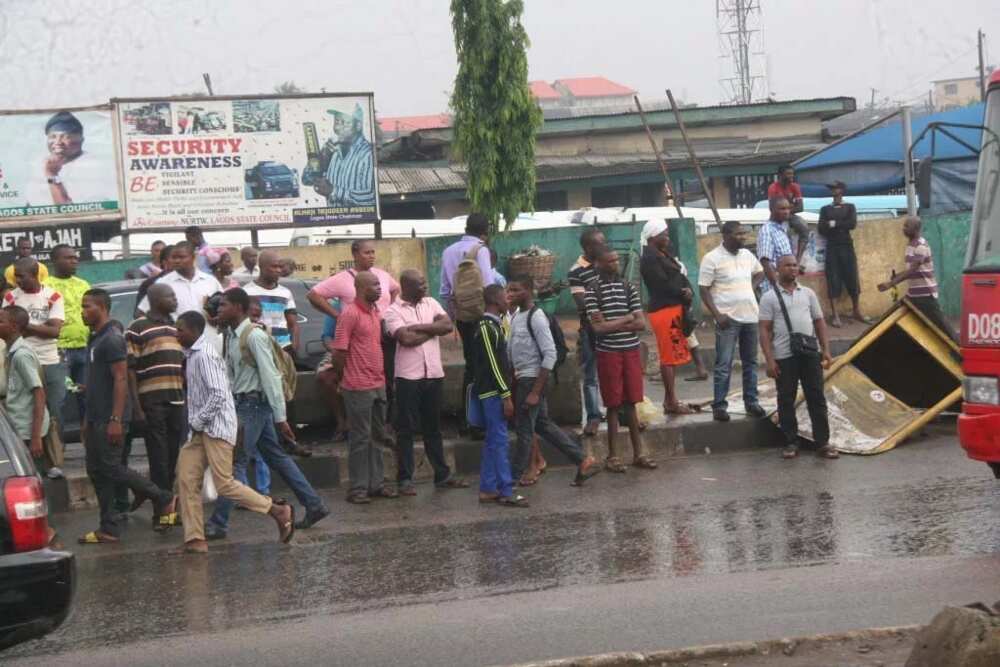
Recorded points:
(786, 188)
(357, 359)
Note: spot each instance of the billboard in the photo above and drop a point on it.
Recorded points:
(57, 164)
(247, 161)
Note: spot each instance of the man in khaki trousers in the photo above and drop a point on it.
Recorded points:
(212, 418)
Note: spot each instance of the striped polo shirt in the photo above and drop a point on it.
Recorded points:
(918, 256)
(581, 273)
(613, 298)
(157, 358)
(352, 175)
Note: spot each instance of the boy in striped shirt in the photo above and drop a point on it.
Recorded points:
(616, 317)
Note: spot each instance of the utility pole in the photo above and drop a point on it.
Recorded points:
(909, 180)
(871, 105)
(982, 68)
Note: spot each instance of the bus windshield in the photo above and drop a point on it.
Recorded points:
(984, 237)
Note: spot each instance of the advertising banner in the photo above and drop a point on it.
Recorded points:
(56, 165)
(248, 161)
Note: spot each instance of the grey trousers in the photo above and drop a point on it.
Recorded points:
(365, 419)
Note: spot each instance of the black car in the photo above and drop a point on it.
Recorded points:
(310, 408)
(271, 180)
(37, 583)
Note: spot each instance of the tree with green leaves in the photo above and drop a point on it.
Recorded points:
(495, 115)
(288, 88)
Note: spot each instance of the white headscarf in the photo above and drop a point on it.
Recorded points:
(654, 227)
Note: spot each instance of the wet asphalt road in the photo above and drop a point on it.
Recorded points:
(707, 549)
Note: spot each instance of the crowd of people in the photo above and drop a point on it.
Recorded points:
(207, 365)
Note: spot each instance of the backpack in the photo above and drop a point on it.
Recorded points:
(468, 288)
(282, 361)
(557, 337)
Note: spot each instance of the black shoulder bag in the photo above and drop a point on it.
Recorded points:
(801, 344)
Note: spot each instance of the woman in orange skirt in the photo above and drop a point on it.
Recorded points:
(669, 293)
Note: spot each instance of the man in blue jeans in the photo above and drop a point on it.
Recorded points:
(581, 273)
(726, 281)
(260, 409)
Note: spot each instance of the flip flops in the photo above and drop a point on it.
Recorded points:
(97, 537)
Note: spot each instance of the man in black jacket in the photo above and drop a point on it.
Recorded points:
(836, 221)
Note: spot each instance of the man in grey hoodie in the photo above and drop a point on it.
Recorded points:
(533, 356)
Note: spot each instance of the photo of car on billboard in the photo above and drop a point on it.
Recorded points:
(153, 118)
(271, 180)
(256, 116)
(199, 119)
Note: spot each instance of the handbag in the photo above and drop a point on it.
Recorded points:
(801, 344)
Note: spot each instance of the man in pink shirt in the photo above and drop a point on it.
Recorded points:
(357, 359)
(416, 321)
(341, 286)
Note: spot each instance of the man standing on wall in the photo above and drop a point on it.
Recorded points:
(836, 221)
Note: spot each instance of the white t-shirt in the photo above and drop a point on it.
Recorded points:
(274, 304)
(191, 294)
(42, 306)
(729, 279)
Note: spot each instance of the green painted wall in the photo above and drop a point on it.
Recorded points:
(948, 237)
(108, 270)
(565, 243)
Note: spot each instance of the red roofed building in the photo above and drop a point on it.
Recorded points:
(395, 126)
(582, 93)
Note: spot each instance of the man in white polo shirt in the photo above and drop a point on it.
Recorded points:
(726, 281)
(191, 286)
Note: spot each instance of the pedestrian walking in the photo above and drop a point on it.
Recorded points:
(46, 310)
(107, 423)
(213, 425)
(256, 384)
(357, 358)
(922, 290)
(836, 220)
(726, 280)
(794, 340)
(472, 246)
(492, 396)
(616, 317)
(72, 341)
(417, 322)
(580, 274)
(25, 399)
(532, 352)
(156, 384)
(670, 295)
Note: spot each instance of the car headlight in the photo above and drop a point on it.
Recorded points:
(982, 390)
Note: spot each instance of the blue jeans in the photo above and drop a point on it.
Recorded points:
(726, 340)
(262, 474)
(254, 413)
(588, 363)
(494, 469)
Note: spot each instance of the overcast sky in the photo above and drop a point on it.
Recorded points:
(74, 52)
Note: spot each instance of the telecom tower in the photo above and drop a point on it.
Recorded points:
(741, 40)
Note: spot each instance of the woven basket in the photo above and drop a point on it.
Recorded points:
(539, 267)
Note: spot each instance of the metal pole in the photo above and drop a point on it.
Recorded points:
(378, 229)
(208, 84)
(126, 246)
(909, 180)
(694, 159)
(254, 238)
(659, 159)
(982, 69)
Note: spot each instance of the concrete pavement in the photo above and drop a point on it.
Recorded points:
(711, 548)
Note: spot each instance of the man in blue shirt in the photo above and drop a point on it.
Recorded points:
(773, 241)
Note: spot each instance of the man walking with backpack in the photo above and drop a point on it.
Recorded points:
(533, 356)
(256, 378)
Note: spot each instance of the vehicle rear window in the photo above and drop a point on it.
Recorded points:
(123, 307)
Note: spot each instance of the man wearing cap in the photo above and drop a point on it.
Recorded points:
(70, 174)
(836, 221)
(346, 165)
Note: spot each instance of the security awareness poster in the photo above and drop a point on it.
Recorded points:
(247, 162)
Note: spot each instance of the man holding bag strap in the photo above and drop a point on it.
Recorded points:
(794, 340)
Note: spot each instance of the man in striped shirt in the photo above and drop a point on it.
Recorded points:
(347, 162)
(156, 383)
(212, 417)
(581, 273)
(616, 317)
(922, 290)
(773, 241)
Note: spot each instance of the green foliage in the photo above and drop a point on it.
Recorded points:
(495, 116)
(288, 88)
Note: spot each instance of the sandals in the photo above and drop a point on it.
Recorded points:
(384, 492)
(97, 537)
(528, 481)
(453, 483)
(828, 452)
(286, 529)
(614, 464)
(645, 462)
(681, 409)
(513, 501)
(696, 378)
(194, 547)
(587, 469)
(488, 498)
(592, 427)
(167, 518)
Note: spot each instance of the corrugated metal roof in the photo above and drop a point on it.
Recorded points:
(407, 180)
(594, 86)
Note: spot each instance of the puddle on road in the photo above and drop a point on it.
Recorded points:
(133, 595)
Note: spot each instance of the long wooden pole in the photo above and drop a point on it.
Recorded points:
(694, 159)
(669, 191)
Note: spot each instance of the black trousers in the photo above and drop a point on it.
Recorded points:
(842, 270)
(930, 307)
(389, 366)
(467, 332)
(418, 405)
(166, 428)
(809, 372)
(106, 470)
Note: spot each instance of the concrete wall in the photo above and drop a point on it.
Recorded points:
(393, 255)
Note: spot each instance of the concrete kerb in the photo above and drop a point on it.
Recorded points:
(786, 646)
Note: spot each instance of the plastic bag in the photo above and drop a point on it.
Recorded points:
(209, 494)
(646, 411)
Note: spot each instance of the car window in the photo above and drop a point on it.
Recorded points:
(13, 461)
(123, 307)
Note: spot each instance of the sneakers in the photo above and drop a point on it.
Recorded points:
(756, 411)
(54, 473)
(720, 415)
(790, 452)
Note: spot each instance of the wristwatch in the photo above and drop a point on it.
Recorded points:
(54, 180)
